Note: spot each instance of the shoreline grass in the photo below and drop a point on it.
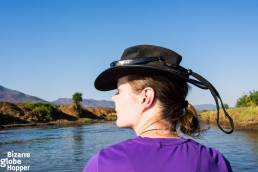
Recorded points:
(244, 118)
(62, 122)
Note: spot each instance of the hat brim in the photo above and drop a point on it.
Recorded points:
(108, 79)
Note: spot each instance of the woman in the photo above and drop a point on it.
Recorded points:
(152, 88)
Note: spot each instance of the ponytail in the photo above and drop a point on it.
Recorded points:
(190, 123)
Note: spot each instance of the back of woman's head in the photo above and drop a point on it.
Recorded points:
(171, 94)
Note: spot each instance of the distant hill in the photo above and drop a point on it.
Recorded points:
(14, 96)
(205, 107)
(86, 102)
(62, 101)
(98, 103)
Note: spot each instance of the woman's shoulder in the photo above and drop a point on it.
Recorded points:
(112, 158)
(115, 151)
(201, 149)
(209, 157)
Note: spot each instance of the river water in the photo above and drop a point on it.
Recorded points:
(67, 149)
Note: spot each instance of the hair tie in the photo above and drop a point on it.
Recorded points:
(185, 104)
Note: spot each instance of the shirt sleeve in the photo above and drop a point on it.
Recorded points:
(92, 165)
(214, 161)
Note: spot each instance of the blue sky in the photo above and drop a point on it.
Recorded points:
(53, 48)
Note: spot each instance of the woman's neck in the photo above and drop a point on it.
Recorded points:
(157, 129)
(159, 133)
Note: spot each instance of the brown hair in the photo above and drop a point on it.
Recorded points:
(171, 94)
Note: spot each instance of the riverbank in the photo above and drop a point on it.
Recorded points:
(244, 118)
(29, 114)
(59, 123)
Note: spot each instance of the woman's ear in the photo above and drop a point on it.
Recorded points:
(147, 97)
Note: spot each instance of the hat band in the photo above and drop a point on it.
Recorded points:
(141, 60)
(175, 68)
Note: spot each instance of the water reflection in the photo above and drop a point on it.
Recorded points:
(251, 135)
(77, 145)
(252, 138)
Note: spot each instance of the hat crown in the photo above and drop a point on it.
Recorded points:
(139, 51)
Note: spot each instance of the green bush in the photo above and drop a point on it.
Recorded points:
(226, 106)
(77, 98)
(250, 100)
(45, 111)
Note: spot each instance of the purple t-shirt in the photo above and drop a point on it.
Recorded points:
(158, 155)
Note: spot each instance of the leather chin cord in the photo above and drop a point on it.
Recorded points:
(204, 84)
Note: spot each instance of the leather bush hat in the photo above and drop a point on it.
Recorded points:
(155, 60)
(144, 59)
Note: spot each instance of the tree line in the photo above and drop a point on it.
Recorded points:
(248, 100)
